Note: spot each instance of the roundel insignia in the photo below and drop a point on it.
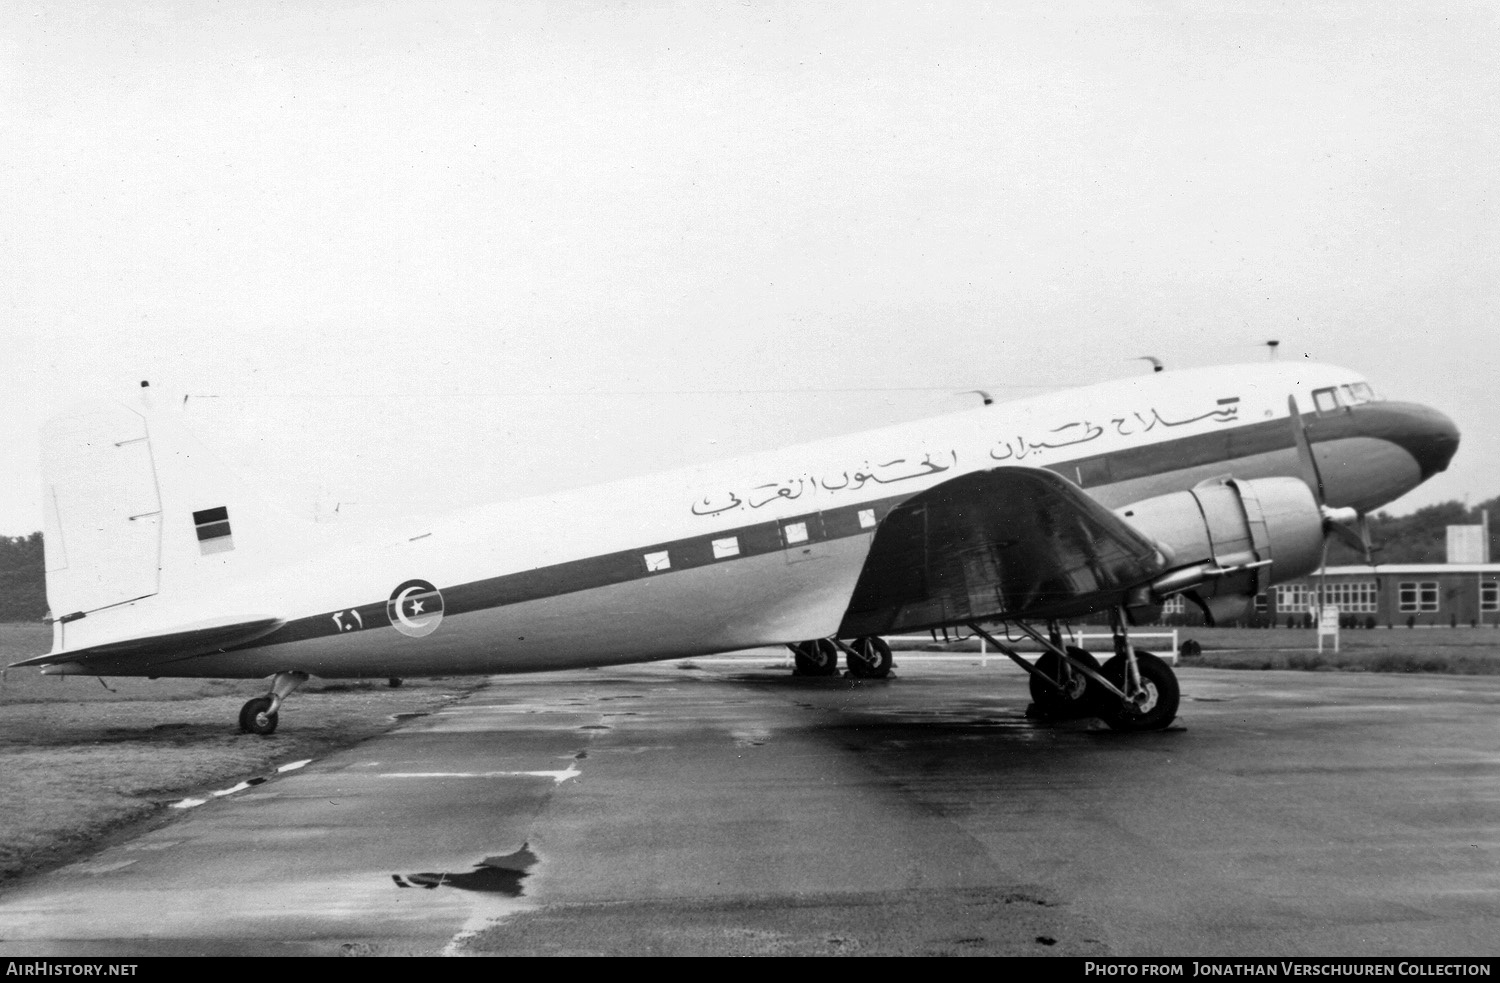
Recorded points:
(415, 608)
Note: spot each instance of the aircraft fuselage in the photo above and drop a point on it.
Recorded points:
(757, 550)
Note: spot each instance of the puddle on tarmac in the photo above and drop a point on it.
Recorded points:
(492, 875)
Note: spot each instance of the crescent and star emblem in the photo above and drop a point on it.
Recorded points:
(415, 608)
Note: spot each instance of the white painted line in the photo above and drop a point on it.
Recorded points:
(190, 803)
(557, 776)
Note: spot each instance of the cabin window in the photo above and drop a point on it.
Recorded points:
(658, 561)
(725, 548)
(1326, 400)
(1418, 597)
(796, 532)
(867, 518)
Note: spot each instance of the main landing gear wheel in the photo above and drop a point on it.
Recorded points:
(1154, 707)
(1076, 698)
(874, 658)
(257, 717)
(816, 658)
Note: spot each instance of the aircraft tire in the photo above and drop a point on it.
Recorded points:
(877, 660)
(1079, 700)
(819, 657)
(1160, 708)
(255, 720)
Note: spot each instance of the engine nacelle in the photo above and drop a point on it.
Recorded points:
(1227, 540)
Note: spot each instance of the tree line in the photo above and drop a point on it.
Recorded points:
(23, 590)
(1420, 537)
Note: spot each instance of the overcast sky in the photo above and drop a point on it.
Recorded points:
(415, 255)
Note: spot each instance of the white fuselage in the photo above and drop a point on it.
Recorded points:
(756, 550)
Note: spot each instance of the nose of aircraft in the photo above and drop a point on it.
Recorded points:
(1430, 437)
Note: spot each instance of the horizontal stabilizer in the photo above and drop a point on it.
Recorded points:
(180, 643)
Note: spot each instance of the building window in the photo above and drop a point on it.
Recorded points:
(1262, 604)
(1353, 597)
(1295, 597)
(1489, 595)
(1174, 605)
(1418, 596)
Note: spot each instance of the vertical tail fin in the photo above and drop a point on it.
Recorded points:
(143, 526)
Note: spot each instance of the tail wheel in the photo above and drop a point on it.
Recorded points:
(1076, 698)
(874, 660)
(256, 717)
(1154, 708)
(816, 658)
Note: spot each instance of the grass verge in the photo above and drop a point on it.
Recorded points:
(83, 760)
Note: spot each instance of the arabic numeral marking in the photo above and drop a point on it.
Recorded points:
(338, 619)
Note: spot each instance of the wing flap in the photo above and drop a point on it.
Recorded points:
(1018, 543)
(136, 653)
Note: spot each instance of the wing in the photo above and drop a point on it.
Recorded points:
(1013, 543)
(130, 656)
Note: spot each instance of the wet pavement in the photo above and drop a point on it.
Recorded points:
(728, 807)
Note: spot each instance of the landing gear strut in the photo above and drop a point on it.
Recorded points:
(259, 716)
(1132, 691)
(868, 657)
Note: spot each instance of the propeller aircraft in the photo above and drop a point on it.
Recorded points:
(1107, 499)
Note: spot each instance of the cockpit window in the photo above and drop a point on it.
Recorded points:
(1326, 400)
(1363, 393)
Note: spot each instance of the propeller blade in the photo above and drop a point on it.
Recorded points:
(1350, 538)
(1352, 529)
(1310, 473)
(1369, 548)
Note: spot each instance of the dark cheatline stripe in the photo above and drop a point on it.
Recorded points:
(605, 570)
(1382, 421)
(220, 514)
(761, 538)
